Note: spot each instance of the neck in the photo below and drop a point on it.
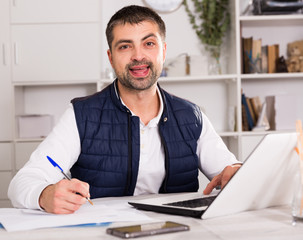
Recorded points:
(145, 104)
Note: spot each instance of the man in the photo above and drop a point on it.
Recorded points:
(131, 138)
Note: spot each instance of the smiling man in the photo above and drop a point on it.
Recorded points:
(131, 138)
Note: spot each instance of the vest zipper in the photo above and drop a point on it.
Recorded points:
(166, 169)
(166, 162)
(129, 164)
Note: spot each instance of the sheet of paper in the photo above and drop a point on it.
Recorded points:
(112, 211)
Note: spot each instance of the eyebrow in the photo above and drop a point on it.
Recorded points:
(131, 41)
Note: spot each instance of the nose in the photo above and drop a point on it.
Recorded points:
(138, 54)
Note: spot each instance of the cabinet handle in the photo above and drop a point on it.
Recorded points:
(16, 54)
(3, 54)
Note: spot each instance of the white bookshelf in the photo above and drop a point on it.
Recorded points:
(272, 29)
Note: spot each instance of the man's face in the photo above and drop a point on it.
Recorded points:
(137, 54)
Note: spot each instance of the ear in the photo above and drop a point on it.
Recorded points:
(109, 54)
(164, 51)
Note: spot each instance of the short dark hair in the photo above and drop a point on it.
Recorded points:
(133, 14)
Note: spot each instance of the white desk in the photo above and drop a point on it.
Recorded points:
(267, 224)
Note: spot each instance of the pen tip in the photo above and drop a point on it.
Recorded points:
(90, 201)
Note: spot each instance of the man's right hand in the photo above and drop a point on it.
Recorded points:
(64, 197)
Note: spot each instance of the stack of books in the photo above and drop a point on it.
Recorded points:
(258, 58)
(277, 112)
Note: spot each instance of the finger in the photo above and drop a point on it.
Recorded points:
(65, 207)
(76, 199)
(212, 184)
(79, 187)
(70, 205)
(69, 192)
(228, 173)
(65, 202)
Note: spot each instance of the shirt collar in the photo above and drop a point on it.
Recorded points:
(153, 122)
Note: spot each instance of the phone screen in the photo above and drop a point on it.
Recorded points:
(147, 229)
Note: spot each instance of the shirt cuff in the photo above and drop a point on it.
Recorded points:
(35, 195)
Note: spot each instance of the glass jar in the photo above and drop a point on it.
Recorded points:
(297, 203)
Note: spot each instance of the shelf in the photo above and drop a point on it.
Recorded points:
(262, 76)
(261, 133)
(228, 134)
(256, 18)
(189, 78)
(54, 83)
(251, 133)
(22, 140)
(198, 78)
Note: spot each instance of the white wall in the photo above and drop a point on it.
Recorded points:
(181, 38)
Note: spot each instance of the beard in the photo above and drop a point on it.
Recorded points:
(133, 83)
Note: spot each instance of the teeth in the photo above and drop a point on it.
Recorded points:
(139, 68)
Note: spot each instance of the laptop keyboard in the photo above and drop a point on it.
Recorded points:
(193, 203)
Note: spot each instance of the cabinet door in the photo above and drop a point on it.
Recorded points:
(56, 52)
(6, 156)
(42, 11)
(5, 178)
(5, 81)
(23, 151)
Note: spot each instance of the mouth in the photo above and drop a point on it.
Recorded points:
(139, 71)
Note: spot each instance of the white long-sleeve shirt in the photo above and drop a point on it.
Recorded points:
(63, 145)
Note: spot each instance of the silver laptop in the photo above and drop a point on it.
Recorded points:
(266, 179)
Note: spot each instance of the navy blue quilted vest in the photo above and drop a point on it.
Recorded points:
(110, 144)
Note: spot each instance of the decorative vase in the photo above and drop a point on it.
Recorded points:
(214, 64)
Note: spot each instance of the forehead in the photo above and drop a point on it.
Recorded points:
(134, 31)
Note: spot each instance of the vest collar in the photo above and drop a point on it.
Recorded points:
(118, 102)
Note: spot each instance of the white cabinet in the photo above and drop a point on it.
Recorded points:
(6, 104)
(6, 166)
(23, 151)
(55, 40)
(5, 177)
(6, 107)
(6, 156)
(49, 54)
(48, 98)
(56, 52)
(41, 11)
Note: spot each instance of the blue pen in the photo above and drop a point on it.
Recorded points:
(67, 177)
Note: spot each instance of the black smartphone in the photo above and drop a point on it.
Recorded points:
(147, 229)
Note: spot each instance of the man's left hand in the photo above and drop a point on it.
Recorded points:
(222, 179)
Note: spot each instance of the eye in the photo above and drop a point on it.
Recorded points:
(123, 47)
(150, 44)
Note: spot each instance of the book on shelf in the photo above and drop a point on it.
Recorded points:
(247, 53)
(256, 105)
(251, 111)
(257, 58)
(259, 109)
(272, 57)
(248, 122)
(254, 114)
(264, 60)
(244, 119)
(255, 64)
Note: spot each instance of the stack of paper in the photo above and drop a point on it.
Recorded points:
(101, 212)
